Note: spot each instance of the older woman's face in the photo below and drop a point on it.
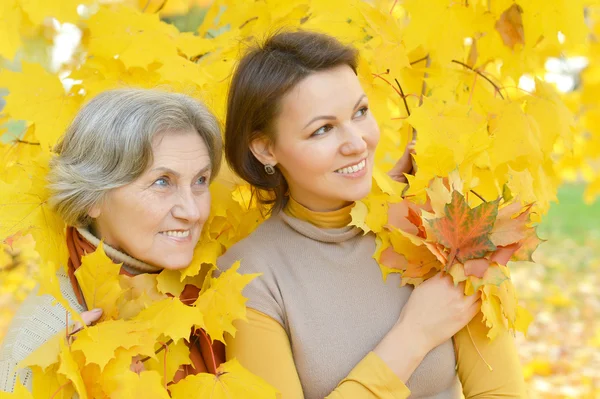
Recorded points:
(158, 218)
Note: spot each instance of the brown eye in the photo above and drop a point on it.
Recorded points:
(322, 130)
(361, 112)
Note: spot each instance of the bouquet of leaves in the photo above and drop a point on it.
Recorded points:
(473, 244)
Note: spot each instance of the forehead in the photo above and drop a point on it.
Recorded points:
(323, 92)
(179, 146)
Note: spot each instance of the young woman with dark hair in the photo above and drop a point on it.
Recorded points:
(322, 322)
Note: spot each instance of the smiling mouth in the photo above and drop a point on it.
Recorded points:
(176, 233)
(353, 168)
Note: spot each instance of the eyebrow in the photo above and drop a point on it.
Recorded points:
(172, 172)
(329, 117)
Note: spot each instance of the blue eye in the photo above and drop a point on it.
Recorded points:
(322, 130)
(361, 112)
(162, 182)
(202, 180)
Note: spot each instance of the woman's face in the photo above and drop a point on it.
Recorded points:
(158, 217)
(325, 140)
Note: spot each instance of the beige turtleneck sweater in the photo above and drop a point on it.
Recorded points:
(321, 306)
(39, 318)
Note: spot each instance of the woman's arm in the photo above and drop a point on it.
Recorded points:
(262, 346)
(506, 379)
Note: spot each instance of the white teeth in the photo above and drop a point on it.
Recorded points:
(176, 233)
(353, 169)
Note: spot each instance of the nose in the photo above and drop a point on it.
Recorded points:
(187, 207)
(354, 141)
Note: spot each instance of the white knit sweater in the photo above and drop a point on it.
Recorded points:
(36, 321)
(39, 319)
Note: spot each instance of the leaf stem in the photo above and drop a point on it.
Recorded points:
(477, 349)
(482, 75)
(212, 353)
(60, 388)
(393, 6)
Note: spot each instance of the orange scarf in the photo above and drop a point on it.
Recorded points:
(205, 355)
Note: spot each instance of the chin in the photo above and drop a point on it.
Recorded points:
(359, 192)
(172, 264)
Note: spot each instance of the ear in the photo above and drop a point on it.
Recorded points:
(262, 148)
(94, 211)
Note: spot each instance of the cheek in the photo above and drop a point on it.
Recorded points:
(311, 159)
(373, 133)
(203, 203)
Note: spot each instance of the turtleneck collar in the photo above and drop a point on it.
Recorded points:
(130, 265)
(324, 220)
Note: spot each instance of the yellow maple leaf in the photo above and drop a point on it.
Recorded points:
(10, 22)
(137, 39)
(172, 318)
(98, 278)
(100, 342)
(222, 302)
(231, 381)
(70, 369)
(38, 96)
(170, 360)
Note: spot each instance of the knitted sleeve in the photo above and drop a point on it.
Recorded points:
(37, 320)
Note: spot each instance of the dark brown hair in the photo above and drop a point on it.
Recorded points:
(263, 76)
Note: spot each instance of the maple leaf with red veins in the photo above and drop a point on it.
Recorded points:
(465, 231)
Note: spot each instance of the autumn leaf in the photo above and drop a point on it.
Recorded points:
(510, 26)
(222, 302)
(465, 231)
(98, 278)
(231, 381)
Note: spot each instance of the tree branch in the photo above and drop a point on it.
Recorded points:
(403, 97)
(482, 75)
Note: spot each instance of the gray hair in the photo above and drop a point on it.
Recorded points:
(109, 145)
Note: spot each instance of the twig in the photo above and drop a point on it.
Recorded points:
(478, 196)
(393, 6)
(246, 23)
(482, 75)
(170, 341)
(403, 97)
(26, 142)
(387, 81)
(419, 60)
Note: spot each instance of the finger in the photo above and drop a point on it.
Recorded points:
(91, 316)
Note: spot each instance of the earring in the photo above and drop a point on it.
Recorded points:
(269, 169)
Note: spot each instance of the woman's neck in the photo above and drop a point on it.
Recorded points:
(131, 264)
(324, 219)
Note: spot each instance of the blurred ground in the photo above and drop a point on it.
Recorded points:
(561, 354)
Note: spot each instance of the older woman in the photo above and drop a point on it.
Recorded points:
(133, 170)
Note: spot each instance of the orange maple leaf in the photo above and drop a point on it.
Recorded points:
(465, 231)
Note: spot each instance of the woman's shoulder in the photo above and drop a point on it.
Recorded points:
(256, 249)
